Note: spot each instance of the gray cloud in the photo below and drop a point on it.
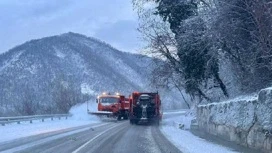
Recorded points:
(110, 20)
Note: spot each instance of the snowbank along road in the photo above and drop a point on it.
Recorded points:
(120, 137)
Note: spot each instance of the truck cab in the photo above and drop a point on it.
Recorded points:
(112, 106)
(110, 103)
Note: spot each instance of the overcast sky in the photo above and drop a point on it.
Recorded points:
(112, 21)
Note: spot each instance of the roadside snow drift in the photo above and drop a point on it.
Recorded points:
(79, 112)
(185, 140)
(80, 117)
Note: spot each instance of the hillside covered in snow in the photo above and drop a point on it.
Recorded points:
(51, 74)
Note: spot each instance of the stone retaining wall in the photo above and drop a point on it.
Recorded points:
(245, 120)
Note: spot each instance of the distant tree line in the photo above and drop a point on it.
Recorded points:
(194, 36)
(64, 94)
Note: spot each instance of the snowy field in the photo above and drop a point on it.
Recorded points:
(15, 131)
(185, 140)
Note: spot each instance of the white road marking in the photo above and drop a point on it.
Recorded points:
(85, 144)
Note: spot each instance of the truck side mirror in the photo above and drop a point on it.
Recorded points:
(96, 100)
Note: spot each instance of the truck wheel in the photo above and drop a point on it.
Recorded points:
(131, 122)
(119, 118)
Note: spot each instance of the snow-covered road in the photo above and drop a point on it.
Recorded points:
(182, 139)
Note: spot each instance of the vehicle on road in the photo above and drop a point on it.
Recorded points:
(113, 106)
(145, 107)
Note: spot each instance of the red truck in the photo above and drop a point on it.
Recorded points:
(145, 107)
(112, 106)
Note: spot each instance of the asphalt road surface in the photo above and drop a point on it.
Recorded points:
(106, 137)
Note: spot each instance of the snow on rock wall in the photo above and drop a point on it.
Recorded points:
(244, 120)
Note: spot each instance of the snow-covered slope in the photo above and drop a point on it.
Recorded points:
(30, 74)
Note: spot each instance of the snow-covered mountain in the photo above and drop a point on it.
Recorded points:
(32, 72)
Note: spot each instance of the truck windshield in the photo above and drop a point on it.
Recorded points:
(108, 100)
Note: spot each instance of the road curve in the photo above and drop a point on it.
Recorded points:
(109, 137)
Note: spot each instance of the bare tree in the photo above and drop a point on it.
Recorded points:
(27, 106)
(161, 44)
(174, 48)
(66, 96)
(244, 29)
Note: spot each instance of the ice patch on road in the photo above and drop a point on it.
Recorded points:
(185, 140)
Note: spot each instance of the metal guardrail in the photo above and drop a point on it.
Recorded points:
(19, 119)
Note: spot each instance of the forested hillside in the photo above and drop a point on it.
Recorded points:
(215, 49)
(52, 74)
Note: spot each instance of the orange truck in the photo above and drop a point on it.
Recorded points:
(145, 107)
(116, 106)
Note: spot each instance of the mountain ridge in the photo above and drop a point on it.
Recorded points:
(39, 67)
(51, 74)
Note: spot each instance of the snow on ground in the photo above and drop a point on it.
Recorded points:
(11, 61)
(182, 111)
(79, 112)
(185, 140)
(236, 99)
(79, 118)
